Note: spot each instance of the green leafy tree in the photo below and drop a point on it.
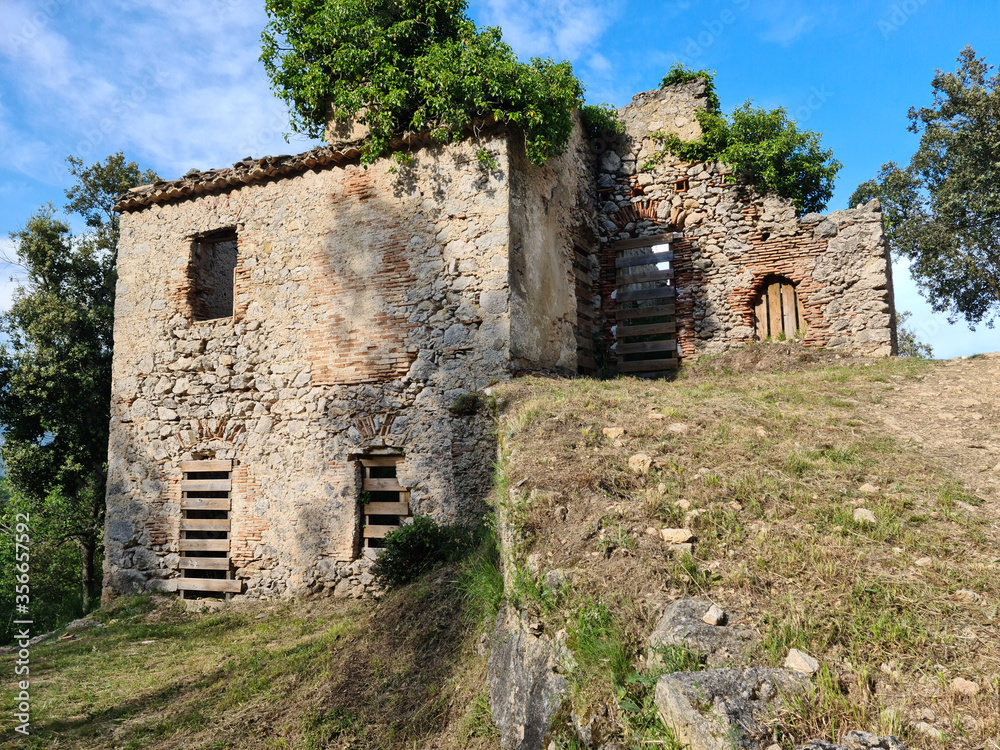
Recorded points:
(763, 147)
(909, 344)
(942, 212)
(419, 65)
(55, 367)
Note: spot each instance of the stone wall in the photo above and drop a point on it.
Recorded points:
(366, 302)
(733, 237)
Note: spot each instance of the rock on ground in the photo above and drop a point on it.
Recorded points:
(856, 741)
(723, 707)
(681, 624)
(524, 690)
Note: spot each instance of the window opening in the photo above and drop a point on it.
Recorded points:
(204, 545)
(212, 276)
(385, 502)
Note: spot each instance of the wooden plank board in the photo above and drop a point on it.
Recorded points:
(205, 503)
(644, 347)
(587, 363)
(584, 296)
(665, 292)
(380, 460)
(648, 365)
(204, 563)
(378, 532)
(204, 524)
(215, 585)
(647, 330)
(659, 239)
(800, 308)
(642, 278)
(644, 312)
(644, 260)
(584, 342)
(788, 309)
(760, 318)
(383, 485)
(387, 509)
(206, 485)
(207, 465)
(583, 276)
(203, 545)
(774, 309)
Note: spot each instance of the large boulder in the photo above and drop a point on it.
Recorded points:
(724, 708)
(682, 625)
(524, 689)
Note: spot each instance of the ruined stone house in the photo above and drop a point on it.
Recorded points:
(299, 340)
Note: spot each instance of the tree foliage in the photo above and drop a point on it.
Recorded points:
(942, 211)
(909, 345)
(55, 366)
(419, 65)
(763, 148)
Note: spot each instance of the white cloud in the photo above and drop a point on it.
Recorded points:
(788, 30)
(564, 29)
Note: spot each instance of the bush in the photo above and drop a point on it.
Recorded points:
(763, 147)
(414, 549)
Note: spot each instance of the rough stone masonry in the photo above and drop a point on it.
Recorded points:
(362, 302)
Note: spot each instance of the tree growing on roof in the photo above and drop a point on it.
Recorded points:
(418, 65)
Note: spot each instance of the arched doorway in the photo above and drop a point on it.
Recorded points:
(778, 312)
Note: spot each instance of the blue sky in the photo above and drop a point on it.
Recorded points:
(176, 83)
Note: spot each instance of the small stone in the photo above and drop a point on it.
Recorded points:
(923, 562)
(639, 463)
(714, 616)
(613, 433)
(681, 549)
(967, 595)
(678, 428)
(561, 512)
(655, 416)
(683, 504)
(651, 531)
(929, 731)
(801, 662)
(863, 515)
(868, 489)
(676, 536)
(962, 686)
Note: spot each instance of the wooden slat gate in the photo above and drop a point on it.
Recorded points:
(386, 501)
(206, 497)
(645, 330)
(585, 361)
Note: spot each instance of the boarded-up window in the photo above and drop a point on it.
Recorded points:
(385, 502)
(778, 312)
(211, 274)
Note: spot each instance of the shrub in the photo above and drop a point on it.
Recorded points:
(414, 549)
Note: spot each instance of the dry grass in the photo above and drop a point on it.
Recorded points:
(401, 673)
(766, 455)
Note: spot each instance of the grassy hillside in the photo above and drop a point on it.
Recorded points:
(765, 454)
(321, 674)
